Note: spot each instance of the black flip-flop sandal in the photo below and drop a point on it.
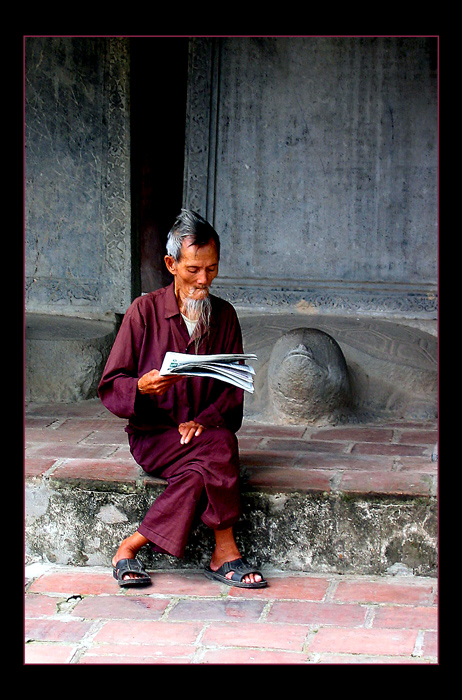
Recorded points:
(130, 566)
(240, 568)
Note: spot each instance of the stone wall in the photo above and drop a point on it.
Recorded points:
(316, 160)
(314, 157)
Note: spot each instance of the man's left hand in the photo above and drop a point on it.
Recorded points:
(189, 430)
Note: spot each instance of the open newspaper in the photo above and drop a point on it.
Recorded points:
(227, 368)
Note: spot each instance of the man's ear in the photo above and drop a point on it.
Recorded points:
(171, 264)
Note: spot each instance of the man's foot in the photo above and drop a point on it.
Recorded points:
(248, 578)
(237, 573)
(129, 567)
(225, 551)
(128, 549)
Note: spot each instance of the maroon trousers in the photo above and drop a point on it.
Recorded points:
(207, 466)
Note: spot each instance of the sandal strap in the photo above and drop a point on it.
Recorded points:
(126, 566)
(240, 568)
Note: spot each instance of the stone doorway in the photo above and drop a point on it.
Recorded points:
(158, 68)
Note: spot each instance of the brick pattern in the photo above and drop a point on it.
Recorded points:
(84, 442)
(80, 616)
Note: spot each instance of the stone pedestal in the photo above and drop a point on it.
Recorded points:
(65, 357)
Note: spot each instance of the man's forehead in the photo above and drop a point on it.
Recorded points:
(190, 250)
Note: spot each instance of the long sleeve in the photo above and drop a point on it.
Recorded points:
(118, 386)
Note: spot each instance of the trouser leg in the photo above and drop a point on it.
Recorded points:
(208, 466)
(220, 468)
(168, 521)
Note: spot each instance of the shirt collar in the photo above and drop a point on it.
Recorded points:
(171, 304)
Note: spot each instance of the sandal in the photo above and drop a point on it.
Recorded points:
(240, 568)
(130, 566)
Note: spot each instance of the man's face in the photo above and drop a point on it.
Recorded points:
(195, 270)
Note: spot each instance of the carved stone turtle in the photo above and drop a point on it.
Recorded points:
(392, 367)
(307, 376)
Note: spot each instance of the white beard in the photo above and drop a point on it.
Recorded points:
(199, 310)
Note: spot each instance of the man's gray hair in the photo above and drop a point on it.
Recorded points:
(189, 224)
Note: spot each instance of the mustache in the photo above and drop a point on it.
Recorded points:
(193, 290)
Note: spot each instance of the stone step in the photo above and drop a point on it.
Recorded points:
(351, 498)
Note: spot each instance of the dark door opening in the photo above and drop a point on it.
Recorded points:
(158, 69)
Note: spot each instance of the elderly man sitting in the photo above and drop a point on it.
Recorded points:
(181, 428)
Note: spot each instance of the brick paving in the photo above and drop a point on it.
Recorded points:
(83, 441)
(79, 615)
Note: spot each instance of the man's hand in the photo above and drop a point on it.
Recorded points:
(189, 430)
(153, 383)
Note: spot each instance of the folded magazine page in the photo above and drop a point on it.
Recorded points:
(226, 367)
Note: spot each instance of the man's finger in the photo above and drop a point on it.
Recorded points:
(187, 436)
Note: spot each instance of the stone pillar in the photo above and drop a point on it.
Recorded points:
(78, 252)
(201, 127)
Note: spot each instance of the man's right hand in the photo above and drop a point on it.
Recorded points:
(153, 383)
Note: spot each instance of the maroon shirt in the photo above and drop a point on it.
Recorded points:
(151, 326)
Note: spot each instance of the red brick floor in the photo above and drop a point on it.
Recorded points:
(80, 615)
(84, 441)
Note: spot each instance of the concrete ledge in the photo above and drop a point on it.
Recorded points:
(358, 499)
(80, 524)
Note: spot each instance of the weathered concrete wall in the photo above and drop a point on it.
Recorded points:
(77, 175)
(296, 531)
(316, 159)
